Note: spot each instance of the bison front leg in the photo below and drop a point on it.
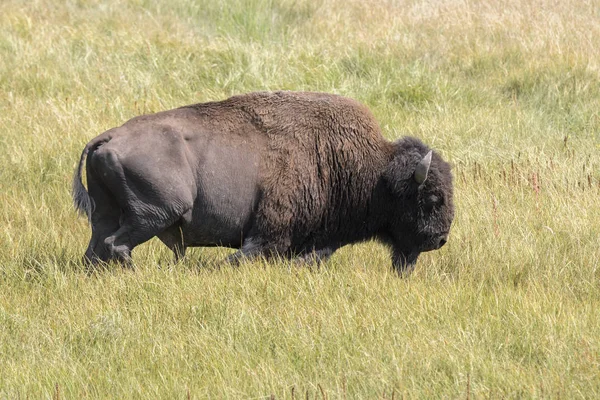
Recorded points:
(255, 247)
(251, 249)
(315, 256)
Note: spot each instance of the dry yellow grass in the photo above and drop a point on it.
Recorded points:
(509, 92)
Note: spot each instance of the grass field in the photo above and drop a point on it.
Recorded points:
(508, 91)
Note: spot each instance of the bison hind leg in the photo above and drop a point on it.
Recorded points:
(105, 220)
(97, 251)
(145, 210)
(134, 230)
(172, 237)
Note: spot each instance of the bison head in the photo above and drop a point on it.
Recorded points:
(420, 184)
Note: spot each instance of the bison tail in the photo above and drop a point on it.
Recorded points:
(84, 204)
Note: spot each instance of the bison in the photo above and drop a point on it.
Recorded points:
(289, 174)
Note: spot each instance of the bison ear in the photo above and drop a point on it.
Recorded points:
(423, 168)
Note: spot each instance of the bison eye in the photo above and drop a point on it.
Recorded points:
(436, 200)
(433, 201)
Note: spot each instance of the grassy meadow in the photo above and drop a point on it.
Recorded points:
(507, 91)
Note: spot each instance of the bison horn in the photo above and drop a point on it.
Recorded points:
(423, 168)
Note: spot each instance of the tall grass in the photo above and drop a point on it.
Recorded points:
(509, 92)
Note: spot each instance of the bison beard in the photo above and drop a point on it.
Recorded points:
(289, 174)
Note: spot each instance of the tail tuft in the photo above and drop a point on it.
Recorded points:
(81, 199)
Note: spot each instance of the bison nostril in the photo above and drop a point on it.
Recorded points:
(442, 242)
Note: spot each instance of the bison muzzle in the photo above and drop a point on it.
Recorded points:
(295, 175)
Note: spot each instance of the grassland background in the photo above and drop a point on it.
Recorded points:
(508, 91)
